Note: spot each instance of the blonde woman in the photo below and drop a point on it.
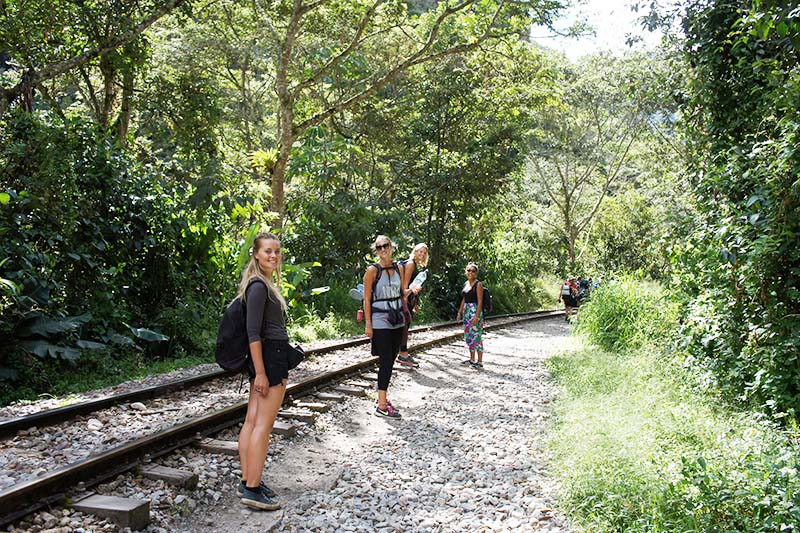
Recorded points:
(383, 316)
(415, 263)
(471, 309)
(268, 367)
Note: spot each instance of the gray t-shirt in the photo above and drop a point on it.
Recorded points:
(388, 286)
(264, 317)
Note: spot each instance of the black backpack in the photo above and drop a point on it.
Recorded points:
(487, 301)
(233, 344)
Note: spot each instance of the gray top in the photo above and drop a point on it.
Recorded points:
(265, 318)
(388, 286)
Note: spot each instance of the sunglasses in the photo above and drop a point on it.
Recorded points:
(471, 270)
(385, 246)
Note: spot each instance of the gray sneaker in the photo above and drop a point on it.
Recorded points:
(407, 360)
(263, 486)
(259, 500)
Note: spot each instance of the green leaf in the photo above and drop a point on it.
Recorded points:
(319, 290)
(148, 334)
(46, 327)
(4, 198)
(90, 345)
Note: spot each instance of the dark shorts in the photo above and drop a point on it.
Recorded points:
(276, 362)
(569, 301)
(386, 341)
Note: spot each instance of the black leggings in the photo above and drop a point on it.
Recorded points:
(385, 345)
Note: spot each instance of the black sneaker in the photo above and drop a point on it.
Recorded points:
(477, 365)
(389, 412)
(407, 360)
(259, 500)
(468, 362)
(268, 492)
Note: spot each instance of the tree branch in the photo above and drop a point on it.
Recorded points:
(8, 96)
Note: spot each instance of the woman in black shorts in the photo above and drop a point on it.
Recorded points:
(268, 366)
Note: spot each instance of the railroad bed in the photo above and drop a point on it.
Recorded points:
(44, 449)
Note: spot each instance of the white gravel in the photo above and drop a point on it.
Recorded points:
(468, 454)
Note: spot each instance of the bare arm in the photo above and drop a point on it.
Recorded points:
(407, 273)
(369, 278)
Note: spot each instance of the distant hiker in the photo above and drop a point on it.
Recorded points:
(268, 366)
(384, 287)
(568, 294)
(471, 309)
(414, 276)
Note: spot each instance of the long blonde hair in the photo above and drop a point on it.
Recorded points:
(413, 256)
(253, 270)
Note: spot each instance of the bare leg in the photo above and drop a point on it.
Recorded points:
(382, 399)
(247, 430)
(266, 410)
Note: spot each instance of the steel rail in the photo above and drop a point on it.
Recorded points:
(29, 496)
(57, 415)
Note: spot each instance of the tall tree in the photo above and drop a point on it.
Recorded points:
(325, 64)
(581, 146)
(48, 39)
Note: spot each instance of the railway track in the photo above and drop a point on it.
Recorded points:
(101, 463)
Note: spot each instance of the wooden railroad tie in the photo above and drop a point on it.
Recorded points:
(361, 384)
(318, 407)
(371, 376)
(125, 512)
(350, 391)
(303, 415)
(331, 396)
(173, 476)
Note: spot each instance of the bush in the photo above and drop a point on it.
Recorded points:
(626, 313)
(637, 450)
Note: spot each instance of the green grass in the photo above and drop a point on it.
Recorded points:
(638, 450)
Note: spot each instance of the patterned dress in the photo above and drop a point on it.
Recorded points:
(473, 333)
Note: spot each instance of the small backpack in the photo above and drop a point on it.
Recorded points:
(487, 301)
(233, 344)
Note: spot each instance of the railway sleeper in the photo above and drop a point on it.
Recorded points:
(173, 476)
(124, 512)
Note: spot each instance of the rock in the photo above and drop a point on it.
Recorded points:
(94, 424)
(138, 406)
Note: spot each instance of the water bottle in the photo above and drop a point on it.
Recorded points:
(419, 280)
(360, 315)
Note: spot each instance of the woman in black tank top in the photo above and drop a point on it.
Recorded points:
(471, 309)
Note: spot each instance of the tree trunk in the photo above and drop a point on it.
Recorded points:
(124, 118)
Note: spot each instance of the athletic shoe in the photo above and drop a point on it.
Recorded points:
(389, 412)
(392, 406)
(259, 500)
(357, 295)
(407, 361)
(477, 365)
(268, 492)
(468, 362)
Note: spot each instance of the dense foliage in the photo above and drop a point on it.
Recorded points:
(739, 265)
(639, 448)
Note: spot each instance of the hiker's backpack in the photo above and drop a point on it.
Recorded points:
(487, 301)
(380, 269)
(233, 344)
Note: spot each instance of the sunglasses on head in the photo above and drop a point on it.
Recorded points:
(380, 247)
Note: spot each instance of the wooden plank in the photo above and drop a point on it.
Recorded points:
(319, 407)
(331, 396)
(282, 428)
(362, 384)
(125, 512)
(173, 476)
(222, 447)
(350, 391)
(303, 415)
